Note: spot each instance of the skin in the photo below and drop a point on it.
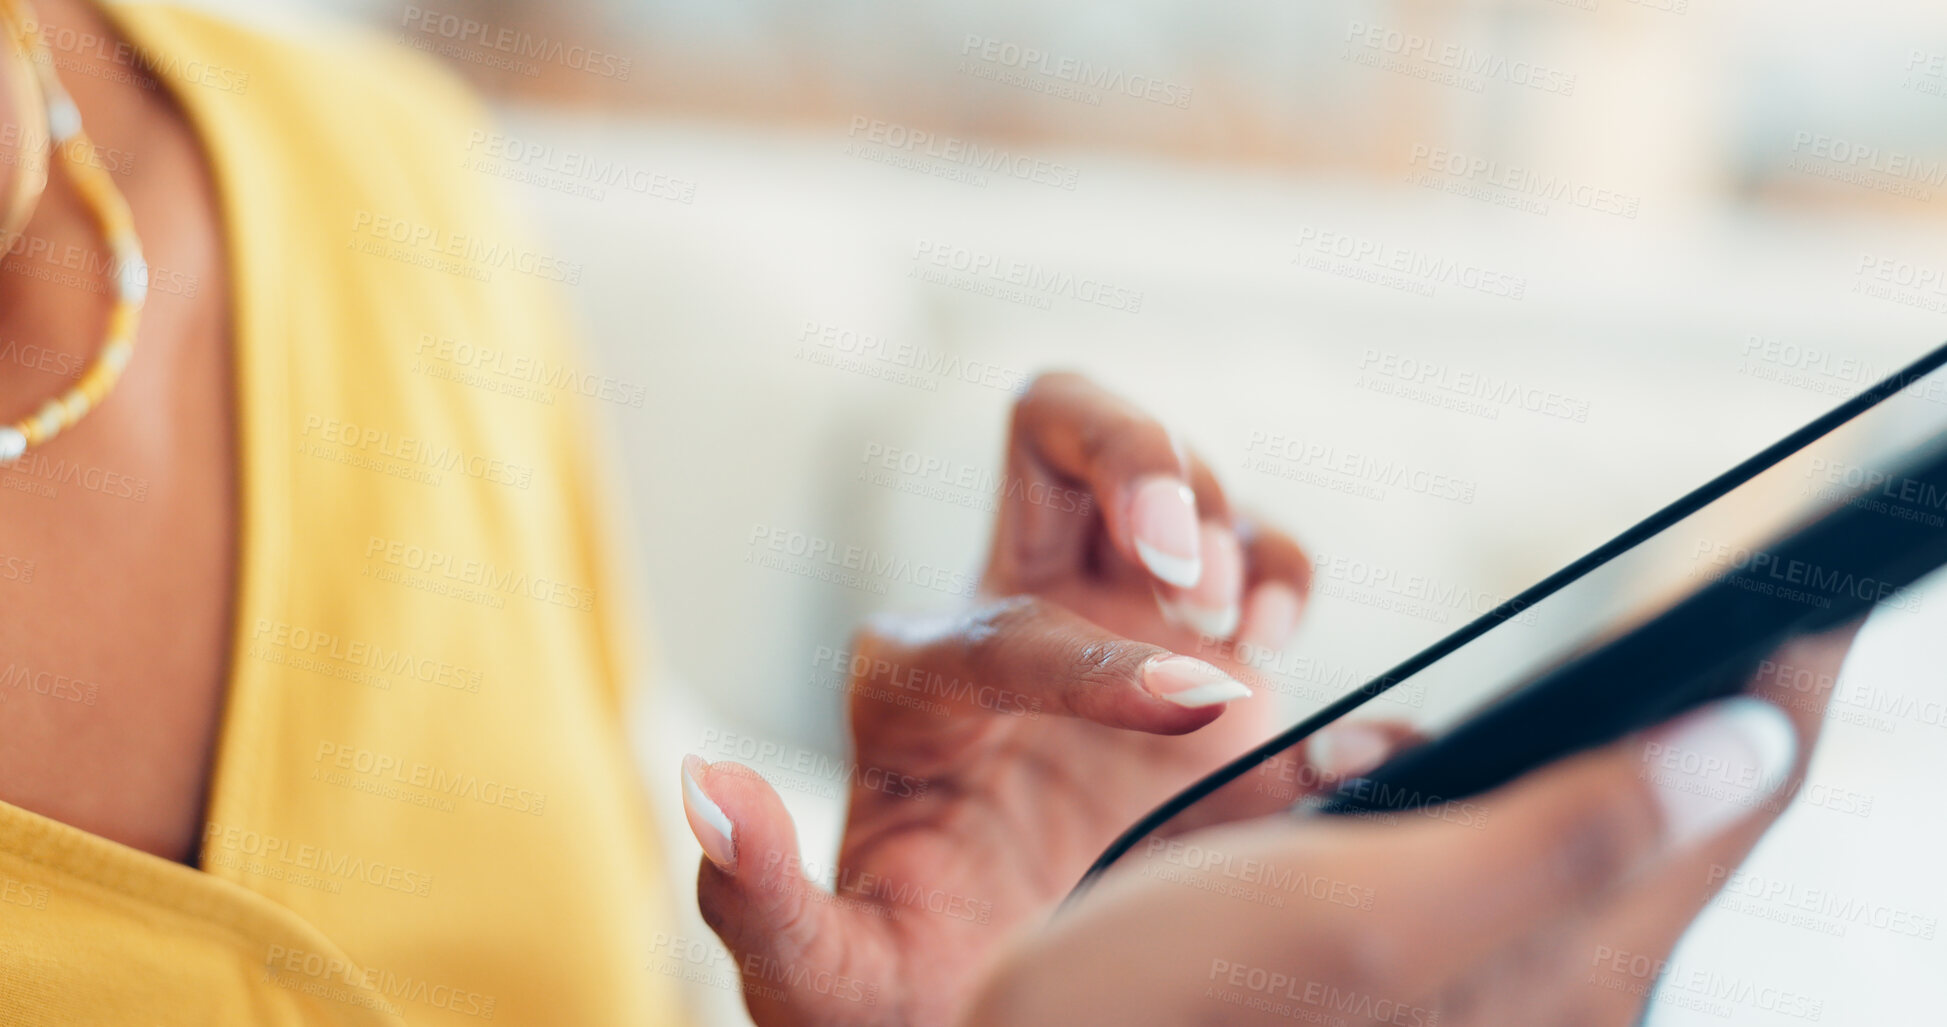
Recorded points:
(1485, 926)
(1520, 922)
(1014, 806)
(132, 596)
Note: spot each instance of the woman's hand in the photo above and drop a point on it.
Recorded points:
(1001, 748)
(1556, 900)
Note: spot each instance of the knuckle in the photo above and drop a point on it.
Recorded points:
(1130, 438)
(1047, 389)
(869, 639)
(993, 627)
(1099, 663)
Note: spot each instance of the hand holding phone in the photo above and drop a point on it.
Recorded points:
(1556, 899)
(1822, 527)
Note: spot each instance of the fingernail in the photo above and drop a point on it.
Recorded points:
(1187, 681)
(1163, 522)
(1211, 608)
(1272, 616)
(1346, 750)
(712, 828)
(1716, 765)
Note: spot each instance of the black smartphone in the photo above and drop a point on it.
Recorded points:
(1819, 529)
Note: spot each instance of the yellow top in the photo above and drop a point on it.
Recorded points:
(423, 810)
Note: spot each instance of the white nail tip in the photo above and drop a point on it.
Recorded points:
(1214, 623)
(1343, 750)
(1210, 694)
(1179, 571)
(1719, 765)
(702, 806)
(1770, 732)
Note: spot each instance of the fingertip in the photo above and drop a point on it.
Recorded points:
(1271, 616)
(1164, 530)
(1717, 765)
(1191, 683)
(1343, 751)
(712, 827)
(1212, 607)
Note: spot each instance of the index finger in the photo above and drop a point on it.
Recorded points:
(1151, 494)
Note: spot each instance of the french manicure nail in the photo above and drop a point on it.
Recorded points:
(1272, 616)
(1346, 750)
(1716, 765)
(1204, 621)
(1163, 522)
(1187, 681)
(712, 828)
(1211, 608)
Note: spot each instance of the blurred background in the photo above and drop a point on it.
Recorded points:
(1455, 289)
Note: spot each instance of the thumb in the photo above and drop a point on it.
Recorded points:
(805, 957)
